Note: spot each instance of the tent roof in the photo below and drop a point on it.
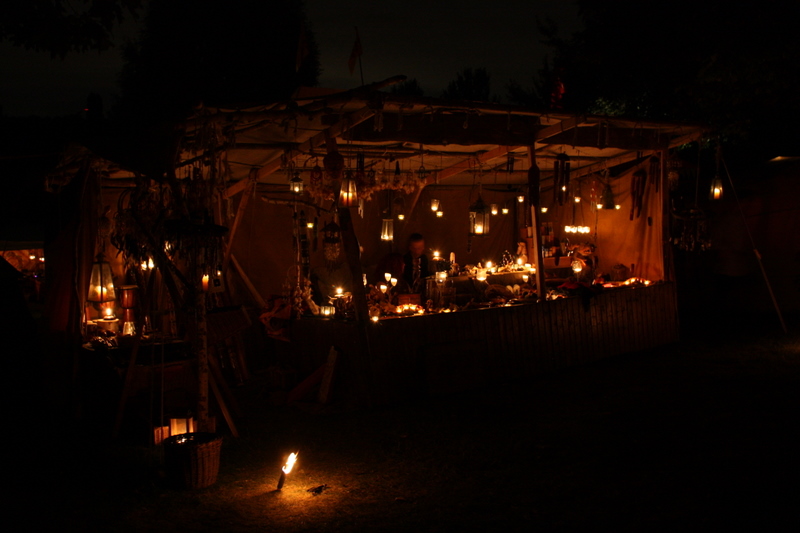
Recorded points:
(454, 141)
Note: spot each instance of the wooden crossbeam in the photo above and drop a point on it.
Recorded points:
(354, 118)
(560, 127)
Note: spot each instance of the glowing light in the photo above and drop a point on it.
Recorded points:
(393, 281)
(544, 210)
(505, 210)
(577, 199)
(520, 198)
(339, 291)
(287, 468)
(439, 214)
(434, 204)
(401, 216)
(494, 209)
(387, 275)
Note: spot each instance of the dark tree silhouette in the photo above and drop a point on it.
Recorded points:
(63, 26)
(728, 65)
(407, 88)
(469, 85)
(205, 52)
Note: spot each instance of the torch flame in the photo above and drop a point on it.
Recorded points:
(287, 468)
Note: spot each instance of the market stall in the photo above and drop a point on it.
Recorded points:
(544, 238)
(545, 234)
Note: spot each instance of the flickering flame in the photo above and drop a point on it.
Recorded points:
(577, 199)
(439, 214)
(478, 228)
(401, 216)
(434, 204)
(287, 468)
(505, 210)
(494, 209)
(393, 281)
(375, 318)
(108, 312)
(488, 264)
(519, 261)
(339, 291)
(310, 225)
(544, 210)
(520, 198)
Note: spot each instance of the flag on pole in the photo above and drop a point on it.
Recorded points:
(355, 54)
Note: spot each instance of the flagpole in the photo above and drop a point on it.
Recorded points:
(360, 67)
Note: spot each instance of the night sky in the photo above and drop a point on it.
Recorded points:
(429, 41)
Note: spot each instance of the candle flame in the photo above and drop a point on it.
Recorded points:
(287, 468)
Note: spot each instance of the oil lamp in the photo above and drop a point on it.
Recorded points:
(387, 229)
(479, 216)
(296, 184)
(348, 194)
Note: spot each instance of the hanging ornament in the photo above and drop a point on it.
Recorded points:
(316, 175)
(331, 244)
(334, 165)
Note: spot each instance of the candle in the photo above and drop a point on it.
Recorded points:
(452, 257)
(439, 214)
(339, 291)
(205, 282)
(525, 278)
(436, 256)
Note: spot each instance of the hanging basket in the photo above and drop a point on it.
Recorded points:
(191, 460)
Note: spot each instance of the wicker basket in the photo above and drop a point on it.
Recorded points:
(191, 460)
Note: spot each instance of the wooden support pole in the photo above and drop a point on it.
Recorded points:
(534, 202)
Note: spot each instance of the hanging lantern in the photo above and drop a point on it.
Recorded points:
(348, 194)
(715, 193)
(332, 242)
(494, 209)
(434, 204)
(387, 229)
(561, 169)
(521, 198)
(101, 285)
(608, 198)
(296, 184)
(504, 211)
(479, 215)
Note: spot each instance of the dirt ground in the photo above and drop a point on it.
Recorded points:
(700, 435)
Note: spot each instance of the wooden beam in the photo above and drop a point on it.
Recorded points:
(251, 184)
(459, 167)
(561, 127)
(249, 284)
(347, 122)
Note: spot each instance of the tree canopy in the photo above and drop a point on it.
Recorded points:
(63, 26)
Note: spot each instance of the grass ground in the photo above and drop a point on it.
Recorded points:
(701, 435)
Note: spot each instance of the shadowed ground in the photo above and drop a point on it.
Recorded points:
(702, 434)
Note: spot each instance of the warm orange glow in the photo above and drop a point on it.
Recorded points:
(287, 468)
(205, 282)
(108, 312)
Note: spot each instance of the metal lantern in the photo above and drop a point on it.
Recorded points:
(348, 193)
(296, 184)
(332, 242)
(715, 193)
(387, 229)
(479, 215)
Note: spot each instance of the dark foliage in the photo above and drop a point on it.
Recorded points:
(470, 84)
(203, 52)
(62, 26)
